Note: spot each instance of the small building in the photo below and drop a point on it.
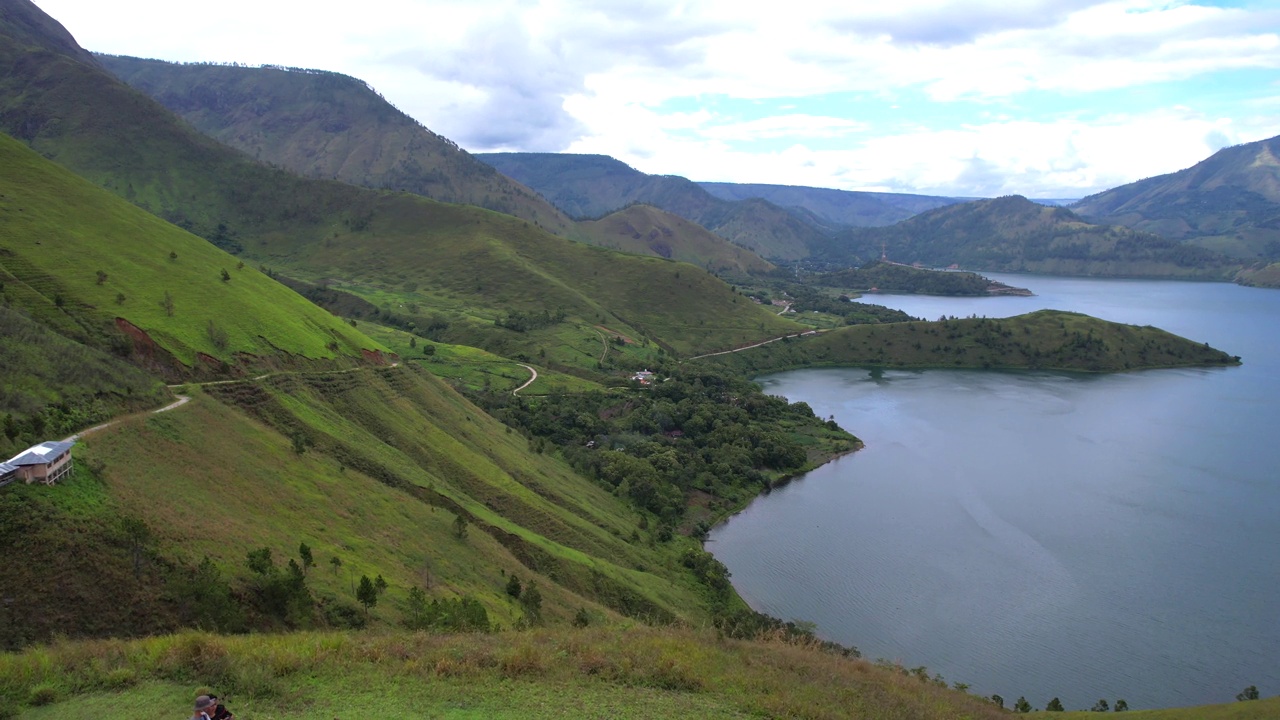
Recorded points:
(644, 377)
(47, 463)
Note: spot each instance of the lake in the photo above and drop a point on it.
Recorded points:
(1038, 533)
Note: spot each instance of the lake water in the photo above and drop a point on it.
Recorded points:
(1045, 534)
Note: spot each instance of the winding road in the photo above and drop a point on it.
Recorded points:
(530, 381)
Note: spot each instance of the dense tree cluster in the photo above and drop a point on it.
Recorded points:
(697, 430)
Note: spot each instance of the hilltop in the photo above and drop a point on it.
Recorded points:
(1229, 202)
(1014, 234)
(646, 230)
(327, 125)
(833, 209)
(592, 186)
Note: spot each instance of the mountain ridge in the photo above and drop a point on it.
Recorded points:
(1228, 202)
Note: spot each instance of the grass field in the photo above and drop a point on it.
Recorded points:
(617, 672)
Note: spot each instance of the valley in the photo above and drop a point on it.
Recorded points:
(366, 423)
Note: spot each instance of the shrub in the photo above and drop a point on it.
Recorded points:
(43, 694)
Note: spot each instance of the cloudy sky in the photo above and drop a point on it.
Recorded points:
(1045, 98)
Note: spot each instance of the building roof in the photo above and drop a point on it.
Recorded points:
(40, 454)
(6, 468)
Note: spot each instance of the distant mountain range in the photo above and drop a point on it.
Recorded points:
(1229, 202)
(833, 209)
(1014, 234)
(592, 186)
(327, 125)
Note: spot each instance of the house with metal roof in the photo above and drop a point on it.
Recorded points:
(47, 463)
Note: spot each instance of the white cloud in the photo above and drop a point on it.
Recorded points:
(579, 75)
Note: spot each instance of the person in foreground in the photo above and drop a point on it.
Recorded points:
(208, 708)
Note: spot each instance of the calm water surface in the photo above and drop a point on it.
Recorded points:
(1045, 534)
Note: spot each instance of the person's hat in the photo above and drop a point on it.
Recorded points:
(204, 702)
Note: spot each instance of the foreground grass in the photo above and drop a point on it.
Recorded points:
(629, 672)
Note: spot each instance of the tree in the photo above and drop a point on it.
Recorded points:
(120, 298)
(513, 586)
(582, 618)
(304, 552)
(259, 561)
(531, 601)
(998, 700)
(367, 594)
(428, 350)
(413, 342)
(226, 276)
(1100, 706)
(1249, 693)
(1055, 705)
(335, 562)
(1022, 706)
(173, 255)
(167, 304)
(102, 277)
(459, 527)
(379, 584)
(1121, 705)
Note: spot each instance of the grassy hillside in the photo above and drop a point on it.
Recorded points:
(1266, 275)
(1229, 202)
(591, 186)
(54, 386)
(1046, 339)
(370, 466)
(634, 672)
(1016, 235)
(646, 230)
(833, 208)
(84, 261)
(326, 125)
(466, 270)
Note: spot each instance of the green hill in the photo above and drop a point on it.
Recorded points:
(78, 256)
(1229, 202)
(1046, 340)
(1013, 234)
(463, 271)
(592, 186)
(326, 125)
(886, 277)
(646, 230)
(833, 208)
